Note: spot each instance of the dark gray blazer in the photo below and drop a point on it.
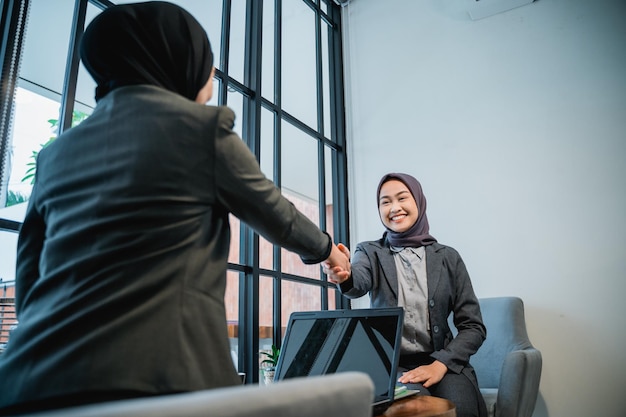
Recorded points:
(449, 290)
(122, 257)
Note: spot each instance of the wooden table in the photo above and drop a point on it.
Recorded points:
(421, 406)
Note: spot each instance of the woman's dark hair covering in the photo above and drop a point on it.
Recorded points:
(418, 234)
(156, 43)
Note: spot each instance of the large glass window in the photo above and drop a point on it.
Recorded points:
(278, 67)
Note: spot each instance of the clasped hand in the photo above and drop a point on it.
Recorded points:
(337, 266)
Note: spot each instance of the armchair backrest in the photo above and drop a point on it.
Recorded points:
(506, 332)
(507, 365)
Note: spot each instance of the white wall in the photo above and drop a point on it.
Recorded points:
(516, 126)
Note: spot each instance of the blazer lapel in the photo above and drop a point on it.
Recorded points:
(434, 267)
(388, 267)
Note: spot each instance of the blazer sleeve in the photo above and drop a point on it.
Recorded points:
(361, 279)
(455, 352)
(245, 191)
(29, 247)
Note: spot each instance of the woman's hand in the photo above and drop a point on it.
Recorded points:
(426, 375)
(337, 266)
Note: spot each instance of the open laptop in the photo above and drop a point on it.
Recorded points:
(330, 341)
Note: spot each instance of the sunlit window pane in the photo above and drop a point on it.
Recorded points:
(266, 305)
(235, 238)
(235, 102)
(44, 55)
(297, 296)
(237, 39)
(268, 56)
(298, 77)
(300, 184)
(328, 171)
(34, 125)
(266, 254)
(267, 143)
(231, 302)
(8, 245)
(324, 6)
(266, 249)
(325, 80)
(332, 294)
(299, 162)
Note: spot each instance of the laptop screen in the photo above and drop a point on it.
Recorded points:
(330, 341)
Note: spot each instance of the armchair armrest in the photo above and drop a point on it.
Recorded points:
(519, 383)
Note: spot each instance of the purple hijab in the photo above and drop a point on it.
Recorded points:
(418, 234)
(156, 43)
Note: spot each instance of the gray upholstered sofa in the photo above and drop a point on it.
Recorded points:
(346, 394)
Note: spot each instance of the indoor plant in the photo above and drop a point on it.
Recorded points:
(269, 364)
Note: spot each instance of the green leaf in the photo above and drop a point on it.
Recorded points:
(272, 357)
(77, 118)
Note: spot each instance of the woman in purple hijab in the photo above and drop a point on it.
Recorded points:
(407, 267)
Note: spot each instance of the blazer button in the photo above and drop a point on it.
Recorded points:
(436, 329)
(431, 302)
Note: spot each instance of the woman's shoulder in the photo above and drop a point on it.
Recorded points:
(442, 249)
(370, 245)
(225, 115)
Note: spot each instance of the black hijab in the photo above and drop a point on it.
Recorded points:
(417, 235)
(156, 43)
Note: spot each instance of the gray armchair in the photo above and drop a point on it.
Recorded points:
(507, 365)
(347, 394)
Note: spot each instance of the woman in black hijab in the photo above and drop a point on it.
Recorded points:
(122, 256)
(156, 43)
(407, 267)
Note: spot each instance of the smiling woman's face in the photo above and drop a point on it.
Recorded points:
(396, 206)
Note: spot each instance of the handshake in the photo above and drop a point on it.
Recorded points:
(337, 266)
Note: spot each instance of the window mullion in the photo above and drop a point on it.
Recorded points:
(71, 68)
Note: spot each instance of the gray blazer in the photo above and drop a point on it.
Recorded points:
(122, 257)
(449, 291)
